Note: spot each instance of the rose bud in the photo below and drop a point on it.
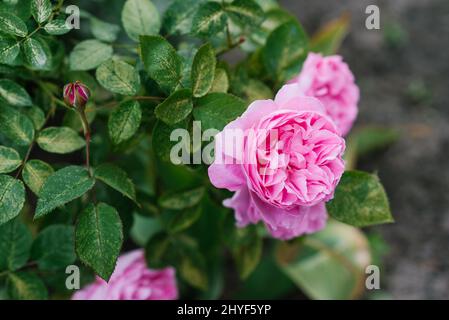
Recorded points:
(76, 94)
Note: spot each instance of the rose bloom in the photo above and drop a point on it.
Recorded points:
(331, 81)
(283, 181)
(132, 280)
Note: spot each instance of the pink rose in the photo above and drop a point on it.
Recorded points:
(284, 167)
(132, 280)
(330, 80)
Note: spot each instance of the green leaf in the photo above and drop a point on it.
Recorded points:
(118, 77)
(14, 94)
(216, 110)
(209, 20)
(124, 121)
(329, 38)
(57, 27)
(16, 126)
(285, 51)
(160, 251)
(99, 238)
(176, 107)
(192, 267)
(61, 140)
(246, 250)
(104, 31)
(63, 187)
(245, 12)
(182, 220)
(36, 54)
(162, 144)
(9, 160)
(370, 138)
(12, 198)
(15, 245)
(254, 89)
(36, 115)
(360, 200)
(12, 24)
(182, 200)
(26, 286)
(35, 173)
(178, 17)
(161, 62)
(221, 81)
(54, 247)
(41, 10)
(329, 264)
(89, 54)
(117, 179)
(140, 17)
(9, 50)
(203, 70)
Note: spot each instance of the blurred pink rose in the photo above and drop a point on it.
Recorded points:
(330, 80)
(132, 280)
(285, 167)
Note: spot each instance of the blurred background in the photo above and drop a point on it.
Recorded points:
(402, 70)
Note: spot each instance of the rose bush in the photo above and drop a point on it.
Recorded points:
(91, 119)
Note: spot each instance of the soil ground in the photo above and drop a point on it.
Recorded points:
(402, 71)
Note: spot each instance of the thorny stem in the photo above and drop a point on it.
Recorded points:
(87, 136)
(147, 98)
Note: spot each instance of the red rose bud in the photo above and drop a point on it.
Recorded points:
(76, 94)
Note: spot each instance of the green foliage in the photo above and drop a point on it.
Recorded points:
(34, 174)
(53, 249)
(161, 62)
(213, 117)
(181, 200)
(118, 77)
(12, 24)
(41, 10)
(329, 264)
(100, 179)
(246, 248)
(89, 54)
(203, 70)
(329, 38)
(178, 17)
(9, 160)
(176, 107)
(63, 186)
(124, 121)
(16, 126)
(59, 140)
(117, 179)
(26, 286)
(99, 237)
(12, 198)
(140, 17)
(14, 94)
(360, 200)
(285, 50)
(209, 19)
(15, 245)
